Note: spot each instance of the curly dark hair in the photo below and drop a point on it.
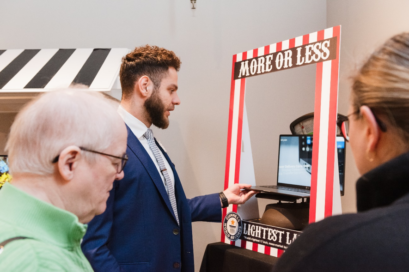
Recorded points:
(152, 61)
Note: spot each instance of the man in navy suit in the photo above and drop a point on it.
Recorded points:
(147, 225)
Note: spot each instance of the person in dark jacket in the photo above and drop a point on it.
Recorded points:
(377, 237)
(147, 225)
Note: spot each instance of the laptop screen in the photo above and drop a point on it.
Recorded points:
(295, 157)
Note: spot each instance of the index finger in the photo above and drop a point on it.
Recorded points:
(244, 186)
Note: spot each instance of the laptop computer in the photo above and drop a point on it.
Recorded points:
(294, 166)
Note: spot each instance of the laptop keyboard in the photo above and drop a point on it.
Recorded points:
(288, 189)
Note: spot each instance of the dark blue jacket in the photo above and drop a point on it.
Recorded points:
(138, 231)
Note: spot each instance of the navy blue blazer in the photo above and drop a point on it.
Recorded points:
(138, 230)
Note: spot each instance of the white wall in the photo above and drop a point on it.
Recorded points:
(6, 119)
(205, 39)
(366, 24)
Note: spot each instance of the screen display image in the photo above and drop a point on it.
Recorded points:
(4, 170)
(295, 158)
(291, 168)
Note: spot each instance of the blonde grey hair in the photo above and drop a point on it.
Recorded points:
(382, 83)
(56, 120)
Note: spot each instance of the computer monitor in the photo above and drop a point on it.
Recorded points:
(295, 159)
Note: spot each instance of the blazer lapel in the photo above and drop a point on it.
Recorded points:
(136, 147)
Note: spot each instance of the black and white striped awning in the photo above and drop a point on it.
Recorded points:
(39, 70)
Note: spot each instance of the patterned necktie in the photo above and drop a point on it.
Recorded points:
(156, 152)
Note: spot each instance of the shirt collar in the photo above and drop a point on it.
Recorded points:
(137, 126)
(39, 220)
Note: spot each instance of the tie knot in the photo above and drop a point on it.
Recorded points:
(149, 134)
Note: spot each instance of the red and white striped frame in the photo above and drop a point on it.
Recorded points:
(325, 114)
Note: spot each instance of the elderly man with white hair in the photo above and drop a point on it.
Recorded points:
(65, 149)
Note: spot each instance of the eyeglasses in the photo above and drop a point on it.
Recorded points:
(120, 167)
(343, 124)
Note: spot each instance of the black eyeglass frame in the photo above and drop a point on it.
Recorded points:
(124, 158)
(341, 119)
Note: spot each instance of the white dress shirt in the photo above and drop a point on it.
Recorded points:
(138, 128)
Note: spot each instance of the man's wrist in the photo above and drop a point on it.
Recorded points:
(223, 200)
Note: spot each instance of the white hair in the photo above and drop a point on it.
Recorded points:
(56, 120)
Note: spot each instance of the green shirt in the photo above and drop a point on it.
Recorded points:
(56, 235)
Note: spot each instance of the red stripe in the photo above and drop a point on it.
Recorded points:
(240, 125)
(226, 174)
(315, 148)
(234, 208)
(320, 35)
(243, 244)
(266, 50)
(267, 250)
(255, 247)
(244, 56)
(229, 133)
(232, 243)
(240, 129)
(329, 188)
(332, 129)
(279, 253)
(279, 46)
(306, 39)
(239, 134)
(292, 43)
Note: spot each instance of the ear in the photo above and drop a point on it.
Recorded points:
(143, 87)
(372, 130)
(68, 162)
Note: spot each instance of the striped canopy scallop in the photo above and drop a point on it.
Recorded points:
(38, 70)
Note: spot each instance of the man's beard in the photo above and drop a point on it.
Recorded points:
(156, 111)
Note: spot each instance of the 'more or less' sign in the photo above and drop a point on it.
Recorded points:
(295, 57)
